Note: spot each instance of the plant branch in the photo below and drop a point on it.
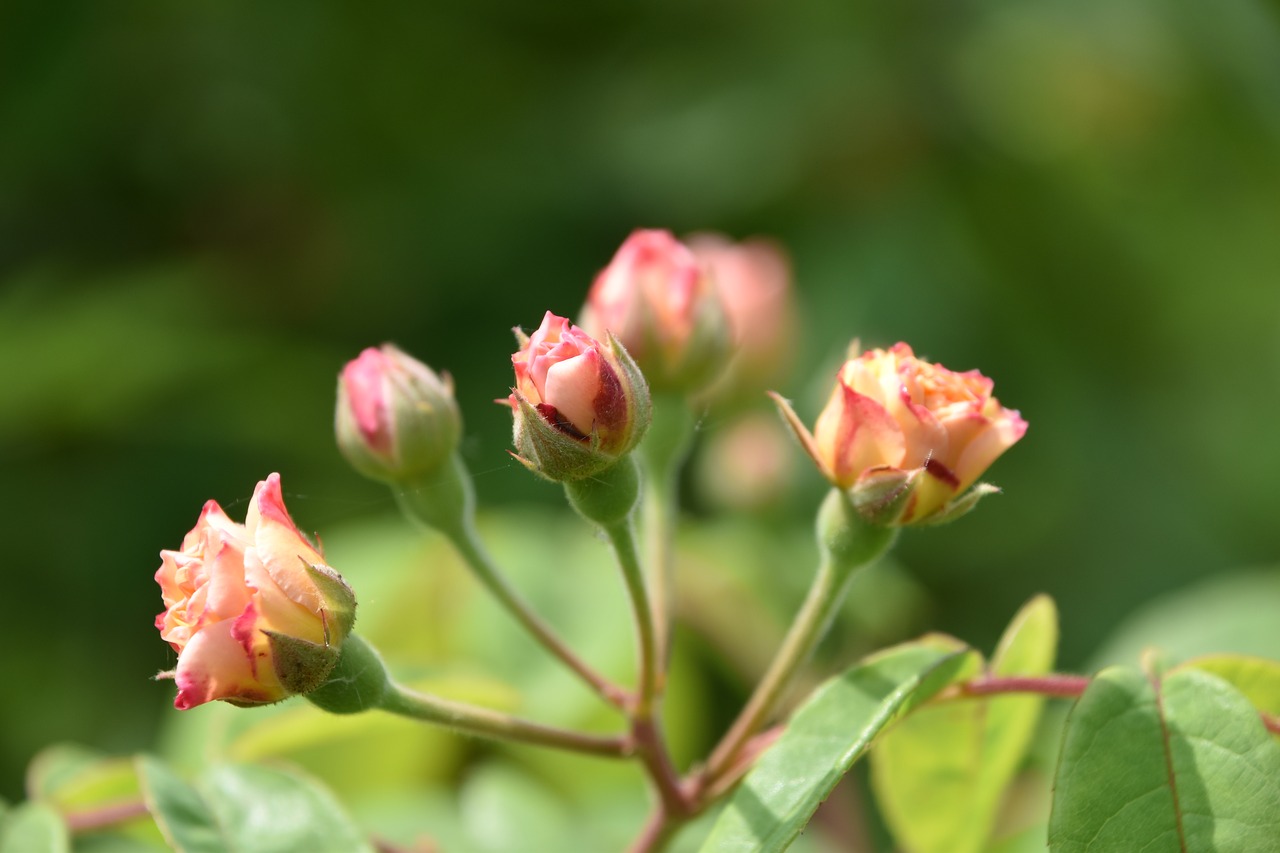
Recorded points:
(446, 502)
(1054, 685)
(663, 453)
(622, 538)
(1064, 686)
(651, 749)
(482, 566)
(810, 623)
(484, 722)
(105, 816)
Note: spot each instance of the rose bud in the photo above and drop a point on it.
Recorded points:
(658, 299)
(251, 609)
(754, 281)
(579, 405)
(907, 438)
(396, 419)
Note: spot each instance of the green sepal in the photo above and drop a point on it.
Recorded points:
(640, 403)
(339, 602)
(357, 682)
(882, 496)
(301, 665)
(552, 454)
(961, 505)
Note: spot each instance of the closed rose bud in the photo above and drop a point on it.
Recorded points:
(906, 438)
(251, 609)
(657, 298)
(579, 404)
(753, 279)
(396, 419)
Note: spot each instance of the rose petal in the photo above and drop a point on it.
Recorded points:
(214, 666)
(854, 433)
(363, 382)
(279, 545)
(572, 386)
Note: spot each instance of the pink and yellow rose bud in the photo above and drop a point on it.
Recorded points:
(754, 281)
(251, 609)
(579, 404)
(396, 419)
(658, 299)
(908, 439)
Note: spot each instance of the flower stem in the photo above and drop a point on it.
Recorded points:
(622, 538)
(847, 543)
(447, 504)
(486, 572)
(665, 448)
(493, 724)
(810, 623)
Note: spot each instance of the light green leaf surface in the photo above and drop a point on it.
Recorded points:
(1188, 769)
(829, 733)
(507, 811)
(74, 777)
(1257, 678)
(940, 774)
(248, 809)
(31, 827)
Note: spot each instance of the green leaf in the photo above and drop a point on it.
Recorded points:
(247, 808)
(1189, 767)
(33, 826)
(506, 811)
(1257, 678)
(74, 777)
(940, 774)
(827, 735)
(178, 808)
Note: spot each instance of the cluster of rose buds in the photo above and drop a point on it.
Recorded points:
(254, 613)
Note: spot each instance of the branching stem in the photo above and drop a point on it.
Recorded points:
(493, 724)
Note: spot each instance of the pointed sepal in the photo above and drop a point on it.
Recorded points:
(962, 505)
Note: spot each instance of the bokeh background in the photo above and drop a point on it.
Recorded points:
(206, 208)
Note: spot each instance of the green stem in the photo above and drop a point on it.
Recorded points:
(447, 504)
(491, 724)
(665, 448)
(469, 546)
(847, 543)
(823, 600)
(622, 538)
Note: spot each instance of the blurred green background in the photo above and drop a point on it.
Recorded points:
(206, 208)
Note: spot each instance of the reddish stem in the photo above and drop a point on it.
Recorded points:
(650, 748)
(105, 816)
(1064, 686)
